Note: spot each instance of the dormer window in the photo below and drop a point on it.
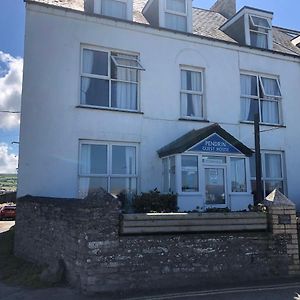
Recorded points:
(176, 15)
(252, 27)
(121, 9)
(259, 31)
(171, 14)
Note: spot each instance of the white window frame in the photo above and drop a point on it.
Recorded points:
(260, 98)
(199, 93)
(176, 13)
(111, 53)
(260, 26)
(168, 184)
(263, 170)
(109, 173)
(98, 7)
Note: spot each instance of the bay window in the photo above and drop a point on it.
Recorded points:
(109, 79)
(260, 94)
(112, 167)
(191, 94)
(176, 15)
(272, 172)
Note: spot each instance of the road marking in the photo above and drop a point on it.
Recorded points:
(221, 292)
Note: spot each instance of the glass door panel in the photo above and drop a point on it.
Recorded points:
(215, 186)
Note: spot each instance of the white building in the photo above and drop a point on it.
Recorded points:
(136, 95)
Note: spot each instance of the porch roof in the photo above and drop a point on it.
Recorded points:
(193, 137)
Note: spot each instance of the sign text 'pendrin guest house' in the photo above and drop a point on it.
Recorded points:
(214, 143)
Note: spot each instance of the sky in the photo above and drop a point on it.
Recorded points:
(12, 19)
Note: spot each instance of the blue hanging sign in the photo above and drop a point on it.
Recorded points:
(214, 143)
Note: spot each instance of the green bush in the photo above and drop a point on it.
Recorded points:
(154, 201)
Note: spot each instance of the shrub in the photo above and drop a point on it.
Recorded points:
(154, 201)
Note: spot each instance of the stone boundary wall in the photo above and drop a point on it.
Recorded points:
(85, 235)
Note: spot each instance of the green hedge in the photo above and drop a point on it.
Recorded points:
(154, 201)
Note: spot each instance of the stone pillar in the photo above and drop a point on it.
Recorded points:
(282, 221)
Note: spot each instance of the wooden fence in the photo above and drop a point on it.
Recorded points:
(152, 223)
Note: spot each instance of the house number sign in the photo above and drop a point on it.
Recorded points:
(284, 219)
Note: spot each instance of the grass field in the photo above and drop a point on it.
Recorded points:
(8, 182)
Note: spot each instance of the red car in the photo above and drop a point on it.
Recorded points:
(8, 212)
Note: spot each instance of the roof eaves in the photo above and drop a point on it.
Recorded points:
(158, 28)
(193, 137)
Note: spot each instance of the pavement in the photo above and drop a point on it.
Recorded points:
(272, 292)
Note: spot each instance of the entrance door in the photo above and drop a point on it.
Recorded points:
(215, 186)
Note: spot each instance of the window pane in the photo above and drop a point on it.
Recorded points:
(259, 40)
(189, 171)
(270, 186)
(273, 166)
(123, 185)
(271, 87)
(126, 61)
(94, 92)
(93, 159)
(176, 5)
(191, 81)
(124, 95)
(95, 62)
(249, 85)
(249, 107)
(270, 112)
(114, 8)
(91, 184)
(191, 105)
(238, 175)
(124, 74)
(257, 21)
(123, 160)
(175, 22)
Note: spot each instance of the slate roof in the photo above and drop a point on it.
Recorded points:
(205, 24)
(193, 137)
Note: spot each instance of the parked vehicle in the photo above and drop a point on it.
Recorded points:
(8, 212)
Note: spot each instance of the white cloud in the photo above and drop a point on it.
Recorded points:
(10, 90)
(8, 161)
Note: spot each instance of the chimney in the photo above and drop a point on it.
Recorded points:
(227, 8)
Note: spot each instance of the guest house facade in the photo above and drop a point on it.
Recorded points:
(136, 95)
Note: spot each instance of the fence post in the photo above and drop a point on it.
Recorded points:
(282, 221)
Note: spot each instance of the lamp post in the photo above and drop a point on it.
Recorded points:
(257, 161)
